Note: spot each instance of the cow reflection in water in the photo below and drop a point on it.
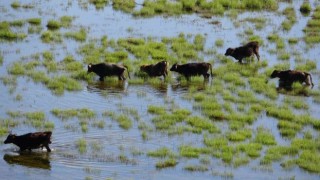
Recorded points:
(113, 87)
(29, 159)
(199, 86)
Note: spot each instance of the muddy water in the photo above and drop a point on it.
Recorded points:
(111, 151)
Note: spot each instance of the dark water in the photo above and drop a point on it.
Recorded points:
(106, 147)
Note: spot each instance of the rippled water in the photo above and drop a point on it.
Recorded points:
(107, 147)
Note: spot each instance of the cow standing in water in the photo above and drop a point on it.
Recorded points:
(153, 70)
(107, 69)
(288, 77)
(244, 51)
(31, 140)
(193, 69)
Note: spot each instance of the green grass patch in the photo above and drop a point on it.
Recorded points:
(239, 135)
(309, 160)
(161, 153)
(81, 144)
(83, 113)
(305, 7)
(81, 35)
(34, 21)
(53, 25)
(265, 137)
(166, 163)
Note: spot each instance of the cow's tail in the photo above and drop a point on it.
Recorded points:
(210, 66)
(309, 75)
(127, 71)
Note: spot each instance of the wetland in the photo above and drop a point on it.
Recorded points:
(232, 126)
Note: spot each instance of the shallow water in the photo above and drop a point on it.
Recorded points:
(113, 152)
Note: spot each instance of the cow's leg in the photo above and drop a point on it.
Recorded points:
(121, 77)
(188, 78)
(206, 75)
(47, 147)
(256, 52)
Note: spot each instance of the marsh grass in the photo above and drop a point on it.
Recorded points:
(166, 163)
(265, 137)
(81, 35)
(240, 161)
(239, 135)
(289, 12)
(53, 25)
(99, 4)
(51, 37)
(59, 84)
(15, 4)
(200, 168)
(202, 124)
(309, 160)
(206, 9)
(312, 34)
(81, 144)
(219, 42)
(124, 121)
(276, 153)
(162, 152)
(305, 8)
(83, 113)
(34, 21)
(7, 34)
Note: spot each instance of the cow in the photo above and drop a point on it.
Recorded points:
(193, 69)
(288, 77)
(31, 140)
(107, 69)
(244, 51)
(153, 70)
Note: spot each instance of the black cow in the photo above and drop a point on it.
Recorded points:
(193, 69)
(107, 69)
(153, 70)
(31, 140)
(244, 51)
(288, 77)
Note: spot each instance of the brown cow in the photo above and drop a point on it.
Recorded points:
(244, 51)
(288, 77)
(31, 140)
(193, 69)
(153, 70)
(106, 69)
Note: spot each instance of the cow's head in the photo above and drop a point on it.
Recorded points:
(143, 68)
(229, 52)
(10, 138)
(275, 74)
(90, 68)
(174, 67)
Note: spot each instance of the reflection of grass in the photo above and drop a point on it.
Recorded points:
(200, 168)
